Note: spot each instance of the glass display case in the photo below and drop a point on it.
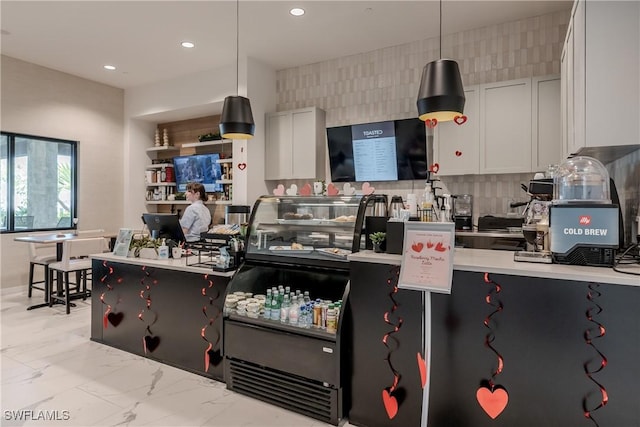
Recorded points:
(285, 325)
(316, 230)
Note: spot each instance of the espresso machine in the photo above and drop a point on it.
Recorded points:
(535, 228)
(463, 212)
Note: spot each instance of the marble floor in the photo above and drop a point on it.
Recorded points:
(53, 375)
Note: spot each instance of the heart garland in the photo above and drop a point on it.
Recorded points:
(392, 396)
(212, 356)
(109, 316)
(149, 341)
(492, 398)
(460, 120)
(422, 369)
(599, 328)
(431, 123)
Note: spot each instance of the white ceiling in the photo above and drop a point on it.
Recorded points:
(142, 38)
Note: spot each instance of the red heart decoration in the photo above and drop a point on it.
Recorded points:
(422, 367)
(493, 402)
(305, 190)
(458, 153)
(440, 248)
(434, 168)
(390, 404)
(115, 318)
(242, 166)
(417, 247)
(332, 190)
(431, 123)
(460, 119)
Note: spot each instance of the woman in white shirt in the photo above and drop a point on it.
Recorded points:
(196, 218)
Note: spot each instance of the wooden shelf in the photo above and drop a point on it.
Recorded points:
(224, 161)
(163, 148)
(159, 165)
(207, 143)
(161, 184)
(224, 181)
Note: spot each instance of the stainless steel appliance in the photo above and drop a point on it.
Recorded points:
(463, 211)
(236, 214)
(584, 223)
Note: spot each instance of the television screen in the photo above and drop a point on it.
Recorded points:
(164, 226)
(381, 151)
(201, 168)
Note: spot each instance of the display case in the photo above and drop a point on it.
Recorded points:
(284, 324)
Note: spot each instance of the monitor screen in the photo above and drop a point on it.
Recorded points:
(381, 151)
(201, 168)
(164, 226)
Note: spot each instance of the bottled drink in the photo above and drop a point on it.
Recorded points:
(287, 289)
(267, 305)
(332, 320)
(284, 309)
(275, 306)
(307, 299)
(294, 312)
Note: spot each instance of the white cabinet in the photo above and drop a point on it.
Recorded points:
(546, 122)
(601, 65)
(505, 127)
(295, 144)
(456, 148)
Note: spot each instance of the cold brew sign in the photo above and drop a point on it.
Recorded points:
(427, 257)
(593, 225)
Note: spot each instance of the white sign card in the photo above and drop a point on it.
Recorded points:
(427, 256)
(121, 248)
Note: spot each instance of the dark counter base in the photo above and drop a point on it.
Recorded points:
(539, 333)
(173, 322)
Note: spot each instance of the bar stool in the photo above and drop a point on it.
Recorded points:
(75, 259)
(42, 254)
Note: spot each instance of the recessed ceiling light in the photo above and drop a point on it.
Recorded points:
(296, 11)
(109, 67)
(188, 45)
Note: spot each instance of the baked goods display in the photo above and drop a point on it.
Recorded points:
(297, 216)
(345, 218)
(296, 247)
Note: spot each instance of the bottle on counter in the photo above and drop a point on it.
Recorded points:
(275, 306)
(163, 250)
(294, 312)
(307, 299)
(267, 305)
(284, 309)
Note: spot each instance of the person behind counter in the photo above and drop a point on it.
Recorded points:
(196, 217)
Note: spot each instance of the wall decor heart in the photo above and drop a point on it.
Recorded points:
(431, 123)
(150, 343)
(332, 190)
(213, 357)
(434, 168)
(493, 402)
(242, 166)
(348, 190)
(459, 120)
(306, 190)
(279, 190)
(367, 189)
(292, 191)
(458, 153)
(390, 404)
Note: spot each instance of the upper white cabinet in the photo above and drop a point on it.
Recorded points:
(295, 144)
(546, 123)
(600, 69)
(456, 148)
(505, 127)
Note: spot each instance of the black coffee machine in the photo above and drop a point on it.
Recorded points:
(463, 212)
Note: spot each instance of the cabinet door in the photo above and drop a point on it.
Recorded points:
(278, 154)
(303, 144)
(546, 122)
(566, 88)
(505, 127)
(456, 148)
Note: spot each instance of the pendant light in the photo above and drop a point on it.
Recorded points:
(441, 94)
(236, 121)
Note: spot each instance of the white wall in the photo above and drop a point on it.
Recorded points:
(45, 102)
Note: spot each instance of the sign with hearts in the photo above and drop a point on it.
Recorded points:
(292, 191)
(348, 190)
(492, 402)
(306, 190)
(367, 189)
(242, 166)
(279, 190)
(390, 404)
(332, 190)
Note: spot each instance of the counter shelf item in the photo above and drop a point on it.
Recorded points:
(207, 255)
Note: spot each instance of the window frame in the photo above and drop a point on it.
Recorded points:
(11, 156)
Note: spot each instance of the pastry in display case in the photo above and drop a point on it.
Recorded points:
(285, 327)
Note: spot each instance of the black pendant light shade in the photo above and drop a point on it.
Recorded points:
(236, 121)
(441, 94)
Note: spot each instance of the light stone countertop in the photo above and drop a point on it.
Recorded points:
(169, 264)
(501, 262)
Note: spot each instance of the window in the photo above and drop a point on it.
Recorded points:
(38, 183)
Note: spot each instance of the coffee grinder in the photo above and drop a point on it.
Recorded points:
(463, 212)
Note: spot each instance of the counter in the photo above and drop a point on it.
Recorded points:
(539, 333)
(501, 262)
(165, 310)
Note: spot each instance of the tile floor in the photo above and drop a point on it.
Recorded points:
(50, 369)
